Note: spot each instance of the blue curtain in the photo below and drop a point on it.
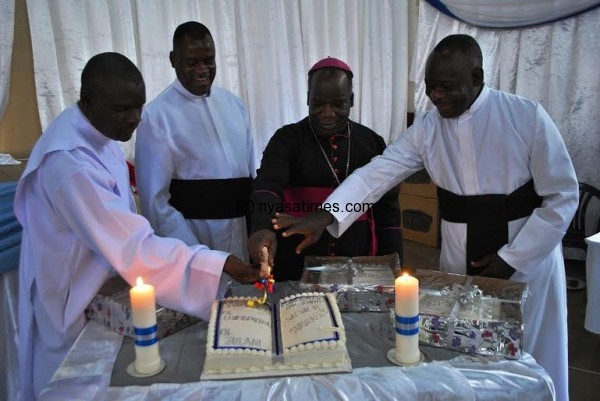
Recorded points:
(10, 229)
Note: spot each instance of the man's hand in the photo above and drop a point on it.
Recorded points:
(311, 226)
(240, 271)
(493, 266)
(259, 240)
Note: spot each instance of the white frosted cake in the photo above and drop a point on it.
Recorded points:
(303, 335)
(312, 332)
(238, 332)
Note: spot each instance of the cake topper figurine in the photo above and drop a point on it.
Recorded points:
(266, 281)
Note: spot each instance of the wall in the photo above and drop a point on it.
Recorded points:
(20, 125)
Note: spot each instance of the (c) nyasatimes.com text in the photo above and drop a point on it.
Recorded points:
(302, 207)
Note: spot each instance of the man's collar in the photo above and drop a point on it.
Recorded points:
(344, 134)
(88, 129)
(479, 101)
(186, 93)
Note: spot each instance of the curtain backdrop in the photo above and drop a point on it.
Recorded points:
(511, 13)
(555, 64)
(264, 51)
(7, 29)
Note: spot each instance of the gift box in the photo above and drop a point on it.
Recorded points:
(476, 315)
(362, 283)
(112, 307)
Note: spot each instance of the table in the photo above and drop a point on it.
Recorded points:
(95, 370)
(592, 274)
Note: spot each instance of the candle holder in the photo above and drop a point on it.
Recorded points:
(132, 371)
(391, 356)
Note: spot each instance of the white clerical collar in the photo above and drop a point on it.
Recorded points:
(88, 129)
(481, 98)
(186, 93)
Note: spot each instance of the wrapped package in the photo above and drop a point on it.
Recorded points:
(362, 283)
(476, 315)
(112, 307)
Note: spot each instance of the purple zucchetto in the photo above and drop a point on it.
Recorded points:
(330, 62)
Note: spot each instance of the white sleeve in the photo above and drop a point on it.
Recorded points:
(370, 182)
(555, 181)
(154, 171)
(185, 278)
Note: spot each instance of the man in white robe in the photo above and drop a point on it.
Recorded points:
(480, 143)
(194, 155)
(77, 212)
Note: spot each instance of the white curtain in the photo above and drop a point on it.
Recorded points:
(7, 29)
(264, 51)
(513, 13)
(555, 64)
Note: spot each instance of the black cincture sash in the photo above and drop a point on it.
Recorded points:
(487, 217)
(211, 199)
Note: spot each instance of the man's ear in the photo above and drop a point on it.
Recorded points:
(477, 76)
(308, 98)
(84, 98)
(172, 58)
(352, 99)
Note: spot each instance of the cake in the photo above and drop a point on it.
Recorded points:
(312, 332)
(303, 334)
(243, 337)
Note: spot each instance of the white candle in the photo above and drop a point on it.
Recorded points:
(407, 319)
(143, 314)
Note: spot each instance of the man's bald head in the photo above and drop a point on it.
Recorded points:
(112, 95)
(463, 45)
(105, 68)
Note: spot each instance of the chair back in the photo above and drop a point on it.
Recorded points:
(576, 233)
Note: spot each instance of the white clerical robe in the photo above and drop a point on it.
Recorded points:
(188, 137)
(78, 219)
(501, 142)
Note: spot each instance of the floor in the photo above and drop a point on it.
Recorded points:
(584, 346)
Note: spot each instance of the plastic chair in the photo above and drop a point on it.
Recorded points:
(577, 231)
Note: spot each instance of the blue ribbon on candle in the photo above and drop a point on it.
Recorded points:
(407, 326)
(138, 331)
(145, 336)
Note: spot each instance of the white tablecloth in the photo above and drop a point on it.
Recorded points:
(592, 267)
(100, 353)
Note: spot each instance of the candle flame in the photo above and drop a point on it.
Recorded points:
(140, 281)
(405, 275)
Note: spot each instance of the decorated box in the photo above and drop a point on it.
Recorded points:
(362, 283)
(476, 315)
(112, 307)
